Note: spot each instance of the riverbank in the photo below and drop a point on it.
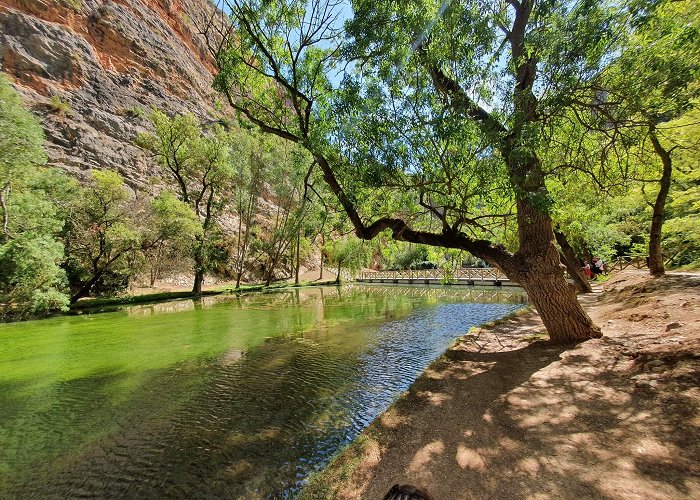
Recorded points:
(149, 298)
(501, 415)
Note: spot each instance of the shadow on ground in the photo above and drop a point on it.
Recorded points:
(496, 418)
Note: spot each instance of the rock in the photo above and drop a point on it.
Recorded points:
(653, 363)
(672, 326)
(106, 60)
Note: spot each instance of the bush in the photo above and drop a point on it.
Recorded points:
(31, 281)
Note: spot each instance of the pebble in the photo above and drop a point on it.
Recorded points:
(672, 326)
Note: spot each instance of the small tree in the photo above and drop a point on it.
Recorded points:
(349, 253)
(200, 167)
(172, 231)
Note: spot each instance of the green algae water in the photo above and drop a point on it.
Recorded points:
(220, 398)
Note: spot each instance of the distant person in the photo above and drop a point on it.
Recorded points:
(600, 265)
(407, 492)
(587, 270)
(595, 270)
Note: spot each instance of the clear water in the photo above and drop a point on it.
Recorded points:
(227, 397)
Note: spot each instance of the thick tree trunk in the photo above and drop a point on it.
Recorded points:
(656, 259)
(557, 305)
(238, 280)
(568, 257)
(538, 270)
(85, 290)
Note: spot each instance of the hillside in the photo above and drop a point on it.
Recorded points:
(90, 68)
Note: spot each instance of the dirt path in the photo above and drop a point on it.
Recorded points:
(502, 417)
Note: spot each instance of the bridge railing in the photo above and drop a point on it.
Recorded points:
(467, 273)
(625, 262)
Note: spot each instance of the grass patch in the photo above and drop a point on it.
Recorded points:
(58, 105)
(134, 112)
(136, 299)
(324, 484)
(76, 5)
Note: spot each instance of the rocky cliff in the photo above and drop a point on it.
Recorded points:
(92, 69)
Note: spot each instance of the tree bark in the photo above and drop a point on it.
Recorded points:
(557, 305)
(337, 276)
(568, 257)
(540, 273)
(198, 280)
(85, 290)
(656, 259)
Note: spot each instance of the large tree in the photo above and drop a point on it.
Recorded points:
(629, 111)
(441, 106)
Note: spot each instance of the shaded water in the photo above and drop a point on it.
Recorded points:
(225, 397)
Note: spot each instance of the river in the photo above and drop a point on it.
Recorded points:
(220, 398)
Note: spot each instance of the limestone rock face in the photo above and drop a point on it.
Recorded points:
(92, 69)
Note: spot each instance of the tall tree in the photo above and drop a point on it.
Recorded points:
(431, 66)
(31, 215)
(348, 254)
(199, 165)
(653, 80)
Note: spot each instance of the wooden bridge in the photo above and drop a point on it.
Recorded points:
(473, 276)
(511, 294)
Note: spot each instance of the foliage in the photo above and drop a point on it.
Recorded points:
(103, 236)
(350, 254)
(31, 281)
(171, 230)
(58, 105)
(199, 165)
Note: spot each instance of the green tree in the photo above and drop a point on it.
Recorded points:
(286, 177)
(248, 183)
(348, 253)
(199, 164)
(442, 112)
(31, 281)
(171, 230)
(103, 235)
(653, 81)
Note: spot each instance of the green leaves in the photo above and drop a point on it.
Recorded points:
(31, 281)
(31, 199)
